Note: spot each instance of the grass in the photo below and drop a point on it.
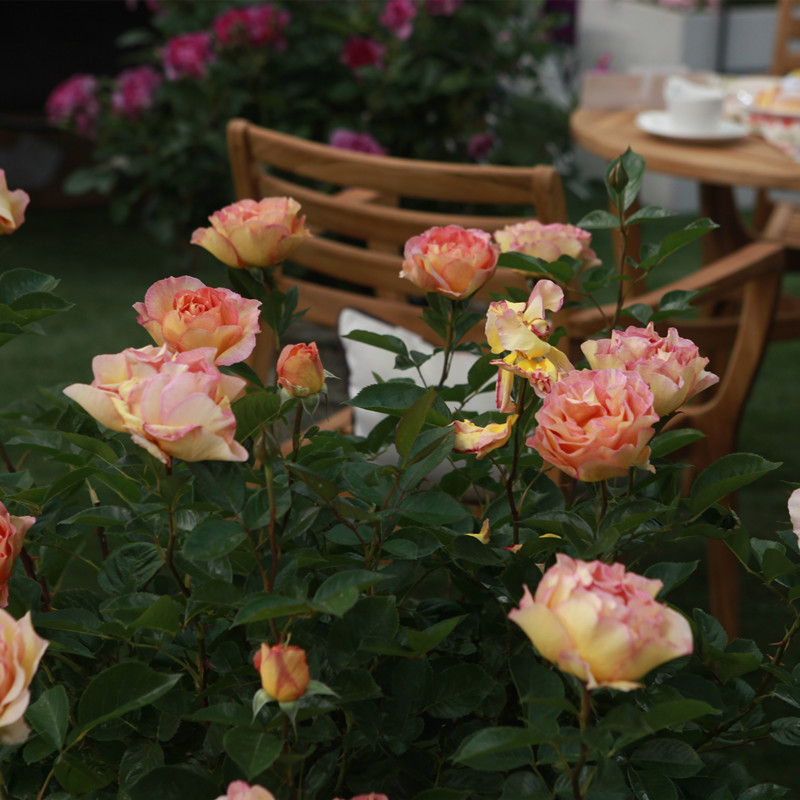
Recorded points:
(105, 268)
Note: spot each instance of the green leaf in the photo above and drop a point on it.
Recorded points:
(639, 311)
(15, 283)
(79, 776)
(395, 397)
(671, 574)
(174, 783)
(423, 641)
(649, 212)
(254, 410)
(340, 592)
(253, 751)
(391, 343)
(411, 423)
(213, 538)
(649, 785)
(598, 220)
(459, 690)
(48, 716)
(271, 606)
(764, 791)
(676, 712)
(670, 757)
(786, 730)
(497, 749)
(119, 689)
(725, 476)
(161, 615)
(129, 567)
(326, 489)
(220, 482)
(670, 441)
(433, 507)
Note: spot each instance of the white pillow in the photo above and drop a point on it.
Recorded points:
(365, 361)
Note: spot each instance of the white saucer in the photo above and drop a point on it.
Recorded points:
(659, 123)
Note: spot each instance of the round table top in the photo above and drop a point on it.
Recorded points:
(749, 161)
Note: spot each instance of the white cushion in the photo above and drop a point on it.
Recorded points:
(365, 361)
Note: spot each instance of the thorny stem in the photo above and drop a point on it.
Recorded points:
(512, 474)
(296, 435)
(168, 556)
(623, 257)
(201, 657)
(448, 344)
(583, 719)
(7, 459)
(269, 475)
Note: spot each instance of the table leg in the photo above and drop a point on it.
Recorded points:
(717, 203)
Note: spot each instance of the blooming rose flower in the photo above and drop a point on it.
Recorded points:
(185, 314)
(300, 370)
(443, 8)
(471, 438)
(548, 242)
(346, 139)
(284, 671)
(360, 51)
(670, 365)
(398, 17)
(596, 424)
(600, 623)
(522, 327)
(187, 56)
(541, 373)
(479, 146)
(239, 790)
(12, 206)
(256, 25)
(254, 234)
(75, 101)
(172, 406)
(12, 535)
(21, 649)
(135, 91)
(450, 260)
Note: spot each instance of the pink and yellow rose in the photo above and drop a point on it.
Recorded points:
(12, 206)
(482, 440)
(596, 424)
(450, 260)
(600, 623)
(254, 233)
(548, 242)
(284, 671)
(12, 536)
(185, 314)
(21, 650)
(670, 365)
(173, 406)
(239, 790)
(299, 369)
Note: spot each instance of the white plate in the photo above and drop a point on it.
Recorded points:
(659, 123)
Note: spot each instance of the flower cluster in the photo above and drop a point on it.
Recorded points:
(75, 102)
(257, 26)
(135, 91)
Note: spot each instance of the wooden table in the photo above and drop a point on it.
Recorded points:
(718, 167)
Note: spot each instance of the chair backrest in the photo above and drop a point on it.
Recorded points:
(786, 51)
(360, 208)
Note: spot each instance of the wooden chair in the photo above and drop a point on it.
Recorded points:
(360, 209)
(735, 346)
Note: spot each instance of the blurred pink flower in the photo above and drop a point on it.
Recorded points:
(135, 91)
(187, 55)
(256, 25)
(75, 101)
(346, 139)
(479, 146)
(442, 8)
(398, 16)
(361, 51)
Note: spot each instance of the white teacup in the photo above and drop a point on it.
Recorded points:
(692, 107)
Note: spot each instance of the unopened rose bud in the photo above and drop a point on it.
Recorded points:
(618, 178)
(284, 671)
(300, 370)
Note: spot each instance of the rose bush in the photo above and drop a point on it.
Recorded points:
(303, 613)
